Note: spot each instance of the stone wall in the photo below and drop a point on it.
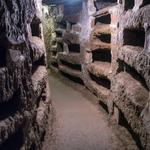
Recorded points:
(24, 91)
(105, 47)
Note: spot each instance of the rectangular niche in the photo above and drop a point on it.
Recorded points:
(106, 38)
(35, 29)
(54, 42)
(62, 25)
(101, 55)
(104, 106)
(72, 78)
(129, 4)
(54, 64)
(2, 56)
(69, 25)
(59, 33)
(10, 108)
(39, 62)
(101, 81)
(103, 19)
(134, 37)
(54, 53)
(75, 48)
(15, 141)
(145, 2)
(72, 66)
(60, 47)
(134, 74)
(99, 4)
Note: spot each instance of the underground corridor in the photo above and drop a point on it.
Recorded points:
(74, 74)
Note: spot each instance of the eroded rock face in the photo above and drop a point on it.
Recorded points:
(24, 93)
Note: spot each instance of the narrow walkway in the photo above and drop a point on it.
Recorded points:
(78, 125)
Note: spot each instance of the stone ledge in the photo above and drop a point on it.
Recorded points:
(71, 37)
(97, 44)
(70, 71)
(137, 59)
(136, 93)
(100, 69)
(73, 58)
(101, 92)
(100, 29)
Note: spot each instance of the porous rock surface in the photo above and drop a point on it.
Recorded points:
(24, 92)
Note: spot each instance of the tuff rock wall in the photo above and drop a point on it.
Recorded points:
(104, 45)
(24, 91)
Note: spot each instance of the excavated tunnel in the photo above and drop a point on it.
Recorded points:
(74, 74)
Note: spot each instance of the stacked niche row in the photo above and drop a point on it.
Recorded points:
(70, 59)
(131, 83)
(57, 43)
(23, 78)
(115, 67)
(98, 69)
(65, 52)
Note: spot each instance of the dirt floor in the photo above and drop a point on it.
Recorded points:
(78, 123)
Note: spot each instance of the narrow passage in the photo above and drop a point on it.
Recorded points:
(78, 123)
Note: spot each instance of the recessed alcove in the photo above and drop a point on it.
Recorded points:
(72, 66)
(99, 4)
(54, 42)
(62, 25)
(59, 33)
(104, 106)
(54, 64)
(2, 56)
(14, 142)
(129, 4)
(106, 38)
(145, 2)
(101, 81)
(134, 37)
(54, 53)
(72, 78)
(101, 55)
(74, 48)
(11, 107)
(124, 67)
(33, 147)
(35, 29)
(103, 19)
(39, 62)
(60, 47)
